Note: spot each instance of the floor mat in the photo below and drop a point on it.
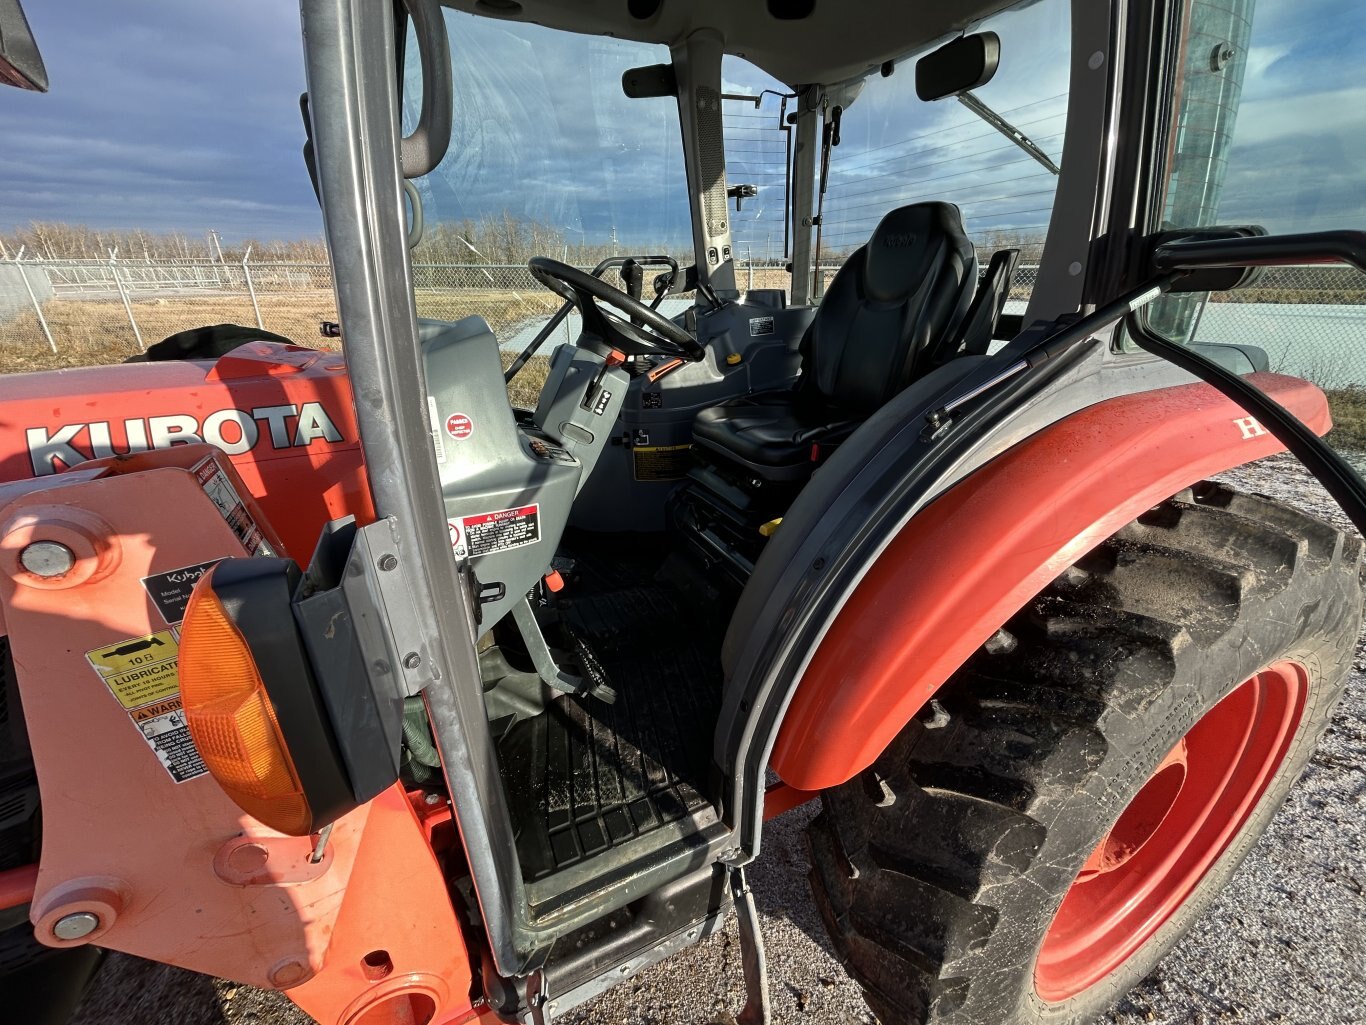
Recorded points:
(586, 775)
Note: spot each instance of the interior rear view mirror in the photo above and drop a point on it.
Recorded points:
(968, 62)
(650, 81)
(20, 62)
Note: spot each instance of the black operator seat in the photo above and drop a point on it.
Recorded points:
(886, 315)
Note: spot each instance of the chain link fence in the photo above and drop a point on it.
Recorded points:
(1310, 320)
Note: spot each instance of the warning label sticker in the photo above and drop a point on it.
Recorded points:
(662, 462)
(170, 591)
(484, 533)
(233, 510)
(760, 326)
(163, 727)
(143, 674)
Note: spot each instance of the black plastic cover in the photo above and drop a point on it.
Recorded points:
(366, 713)
(649, 81)
(1168, 246)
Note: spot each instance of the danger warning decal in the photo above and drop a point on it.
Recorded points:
(170, 591)
(485, 533)
(234, 511)
(143, 674)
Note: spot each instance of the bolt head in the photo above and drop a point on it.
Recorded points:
(388, 562)
(412, 660)
(76, 926)
(47, 559)
(249, 858)
(290, 973)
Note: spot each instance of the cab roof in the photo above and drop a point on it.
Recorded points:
(796, 41)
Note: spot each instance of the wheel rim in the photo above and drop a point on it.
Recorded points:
(1173, 830)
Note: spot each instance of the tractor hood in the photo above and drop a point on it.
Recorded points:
(282, 413)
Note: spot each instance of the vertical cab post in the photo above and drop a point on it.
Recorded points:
(805, 154)
(697, 66)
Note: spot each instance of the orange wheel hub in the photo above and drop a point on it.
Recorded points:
(1172, 832)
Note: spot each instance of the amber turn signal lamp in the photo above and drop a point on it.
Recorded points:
(232, 720)
(250, 700)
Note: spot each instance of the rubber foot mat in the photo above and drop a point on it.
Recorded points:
(586, 776)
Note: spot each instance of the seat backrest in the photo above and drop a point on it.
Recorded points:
(975, 333)
(901, 293)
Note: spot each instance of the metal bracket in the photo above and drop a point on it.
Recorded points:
(757, 1010)
(375, 558)
(537, 997)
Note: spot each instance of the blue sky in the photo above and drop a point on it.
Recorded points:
(183, 116)
(163, 115)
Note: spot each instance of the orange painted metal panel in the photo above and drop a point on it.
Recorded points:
(396, 937)
(174, 871)
(979, 552)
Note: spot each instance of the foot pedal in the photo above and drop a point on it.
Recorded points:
(544, 660)
(598, 683)
(757, 1010)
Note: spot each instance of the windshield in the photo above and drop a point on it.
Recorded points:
(548, 157)
(895, 149)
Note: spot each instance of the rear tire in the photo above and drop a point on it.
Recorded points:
(940, 872)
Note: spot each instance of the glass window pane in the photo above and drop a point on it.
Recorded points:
(895, 149)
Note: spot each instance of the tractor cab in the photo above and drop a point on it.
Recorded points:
(708, 384)
(772, 255)
(861, 450)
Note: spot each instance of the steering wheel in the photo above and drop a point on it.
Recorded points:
(646, 333)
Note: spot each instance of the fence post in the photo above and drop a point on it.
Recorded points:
(251, 289)
(123, 294)
(37, 306)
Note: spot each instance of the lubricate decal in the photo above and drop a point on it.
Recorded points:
(485, 533)
(231, 507)
(1250, 427)
(459, 426)
(170, 591)
(143, 674)
(235, 431)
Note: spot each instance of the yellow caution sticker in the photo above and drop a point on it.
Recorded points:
(140, 670)
(661, 462)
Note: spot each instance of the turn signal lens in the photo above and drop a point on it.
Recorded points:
(232, 719)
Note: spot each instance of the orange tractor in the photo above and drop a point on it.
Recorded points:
(339, 674)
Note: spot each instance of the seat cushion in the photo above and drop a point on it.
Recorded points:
(770, 431)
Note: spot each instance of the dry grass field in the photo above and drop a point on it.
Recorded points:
(97, 333)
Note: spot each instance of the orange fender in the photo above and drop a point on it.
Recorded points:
(975, 555)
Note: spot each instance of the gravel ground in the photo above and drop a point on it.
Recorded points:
(1285, 944)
